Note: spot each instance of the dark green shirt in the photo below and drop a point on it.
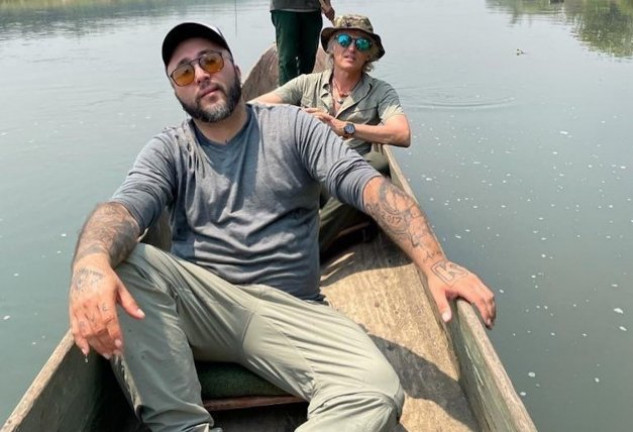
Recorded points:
(295, 5)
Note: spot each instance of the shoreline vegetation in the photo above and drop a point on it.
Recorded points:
(604, 26)
(32, 4)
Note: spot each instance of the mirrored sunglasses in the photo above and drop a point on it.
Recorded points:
(210, 62)
(363, 44)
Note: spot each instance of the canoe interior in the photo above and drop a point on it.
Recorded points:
(372, 283)
(482, 376)
(452, 376)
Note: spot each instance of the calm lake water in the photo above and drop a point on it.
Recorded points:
(521, 111)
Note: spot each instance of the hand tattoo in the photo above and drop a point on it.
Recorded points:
(84, 279)
(448, 271)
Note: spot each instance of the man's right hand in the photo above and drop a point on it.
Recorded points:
(328, 11)
(95, 289)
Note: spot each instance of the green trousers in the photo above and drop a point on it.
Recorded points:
(336, 216)
(305, 348)
(297, 36)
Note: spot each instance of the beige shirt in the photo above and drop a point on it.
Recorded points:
(371, 102)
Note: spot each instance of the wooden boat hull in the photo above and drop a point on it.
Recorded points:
(451, 375)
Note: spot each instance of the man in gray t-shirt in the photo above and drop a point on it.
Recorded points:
(240, 283)
(261, 187)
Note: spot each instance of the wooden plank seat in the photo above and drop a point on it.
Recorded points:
(227, 386)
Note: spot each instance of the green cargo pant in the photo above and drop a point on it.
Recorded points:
(336, 216)
(297, 36)
(305, 348)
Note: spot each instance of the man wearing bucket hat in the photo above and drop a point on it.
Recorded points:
(241, 280)
(361, 109)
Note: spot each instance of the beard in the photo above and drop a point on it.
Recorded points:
(220, 110)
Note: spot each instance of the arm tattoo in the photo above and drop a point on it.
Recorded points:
(403, 220)
(110, 230)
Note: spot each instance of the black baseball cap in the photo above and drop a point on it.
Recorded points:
(189, 30)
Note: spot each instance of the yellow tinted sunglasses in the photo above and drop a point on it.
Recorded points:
(210, 62)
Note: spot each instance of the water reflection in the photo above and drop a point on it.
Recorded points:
(522, 161)
(602, 25)
(85, 16)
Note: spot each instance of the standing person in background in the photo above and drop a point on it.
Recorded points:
(359, 108)
(297, 27)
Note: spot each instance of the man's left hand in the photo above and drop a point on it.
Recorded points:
(448, 281)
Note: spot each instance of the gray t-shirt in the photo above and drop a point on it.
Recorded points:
(247, 210)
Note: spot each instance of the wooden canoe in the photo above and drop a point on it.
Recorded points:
(452, 376)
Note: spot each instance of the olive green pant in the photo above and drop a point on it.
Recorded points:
(305, 348)
(297, 37)
(336, 216)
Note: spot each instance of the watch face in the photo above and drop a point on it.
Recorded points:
(349, 129)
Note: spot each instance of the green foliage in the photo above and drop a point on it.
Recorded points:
(602, 25)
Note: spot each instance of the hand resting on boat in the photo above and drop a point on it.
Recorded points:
(95, 288)
(405, 222)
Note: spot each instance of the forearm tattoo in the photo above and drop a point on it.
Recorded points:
(403, 220)
(110, 229)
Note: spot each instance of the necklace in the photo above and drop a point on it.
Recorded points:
(341, 96)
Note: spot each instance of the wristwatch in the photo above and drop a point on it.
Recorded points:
(349, 129)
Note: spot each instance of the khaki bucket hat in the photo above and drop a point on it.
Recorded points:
(353, 22)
